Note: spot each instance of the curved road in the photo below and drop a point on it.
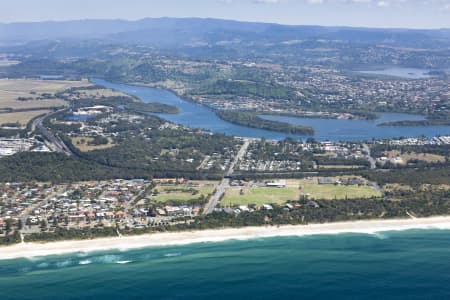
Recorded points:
(55, 143)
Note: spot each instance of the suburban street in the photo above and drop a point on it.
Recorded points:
(225, 183)
(28, 211)
(372, 161)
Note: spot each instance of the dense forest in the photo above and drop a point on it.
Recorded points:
(161, 153)
(378, 150)
(412, 176)
(153, 107)
(247, 88)
(251, 119)
(55, 167)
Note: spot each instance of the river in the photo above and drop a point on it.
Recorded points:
(198, 116)
(400, 72)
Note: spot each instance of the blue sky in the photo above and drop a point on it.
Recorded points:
(367, 13)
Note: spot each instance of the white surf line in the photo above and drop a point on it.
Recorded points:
(218, 235)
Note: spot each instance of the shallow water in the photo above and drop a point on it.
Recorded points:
(407, 73)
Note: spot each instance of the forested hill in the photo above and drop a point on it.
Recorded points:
(169, 32)
(245, 88)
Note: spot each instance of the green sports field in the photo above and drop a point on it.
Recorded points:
(294, 189)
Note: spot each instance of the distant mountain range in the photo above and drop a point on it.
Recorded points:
(173, 32)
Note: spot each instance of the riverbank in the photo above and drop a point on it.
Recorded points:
(188, 237)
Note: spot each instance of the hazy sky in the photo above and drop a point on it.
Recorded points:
(371, 13)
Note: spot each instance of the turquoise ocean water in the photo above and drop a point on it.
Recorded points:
(411, 264)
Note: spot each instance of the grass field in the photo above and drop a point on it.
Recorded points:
(12, 89)
(84, 147)
(259, 196)
(428, 157)
(22, 117)
(174, 193)
(294, 189)
(329, 191)
(94, 94)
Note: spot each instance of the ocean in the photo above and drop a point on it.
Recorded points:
(413, 264)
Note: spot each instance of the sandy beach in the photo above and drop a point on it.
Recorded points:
(217, 235)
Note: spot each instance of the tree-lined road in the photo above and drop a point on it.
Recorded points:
(225, 183)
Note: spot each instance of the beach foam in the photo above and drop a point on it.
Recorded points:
(372, 227)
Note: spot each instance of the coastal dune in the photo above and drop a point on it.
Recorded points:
(26, 250)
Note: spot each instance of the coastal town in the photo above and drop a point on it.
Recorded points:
(224, 149)
(141, 203)
(165, 143)
(253, 174)
(316, 91)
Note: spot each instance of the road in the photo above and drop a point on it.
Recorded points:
(373, 163)
(225, 183)
(132, 202)
(55, 143)
(238, 157)
(26, 212)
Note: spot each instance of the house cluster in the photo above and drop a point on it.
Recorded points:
(17, 198)
(396, 160)
(88, 203)
(178, 211)
(345, 91)
(270, 162)
(342, 150)
(291, 157)
(103, 126)
(216, 161)
(269, 165)
(92, 110)
(420, 141)
(327, 87)
(288, 206)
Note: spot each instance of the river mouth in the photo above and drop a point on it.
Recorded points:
(198, 116)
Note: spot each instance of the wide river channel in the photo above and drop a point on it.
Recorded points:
(198, 116)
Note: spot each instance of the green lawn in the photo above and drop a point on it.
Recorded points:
(174, 192)
(266, 195)
(259, 196)
(328, 191)
(175, 196)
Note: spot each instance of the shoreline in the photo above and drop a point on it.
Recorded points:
(35, 249)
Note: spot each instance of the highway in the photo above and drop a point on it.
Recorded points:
(55, 143)
(225, 183)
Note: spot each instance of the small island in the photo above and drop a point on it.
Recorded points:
(251, 119)
(427, 122)
(152, 107)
